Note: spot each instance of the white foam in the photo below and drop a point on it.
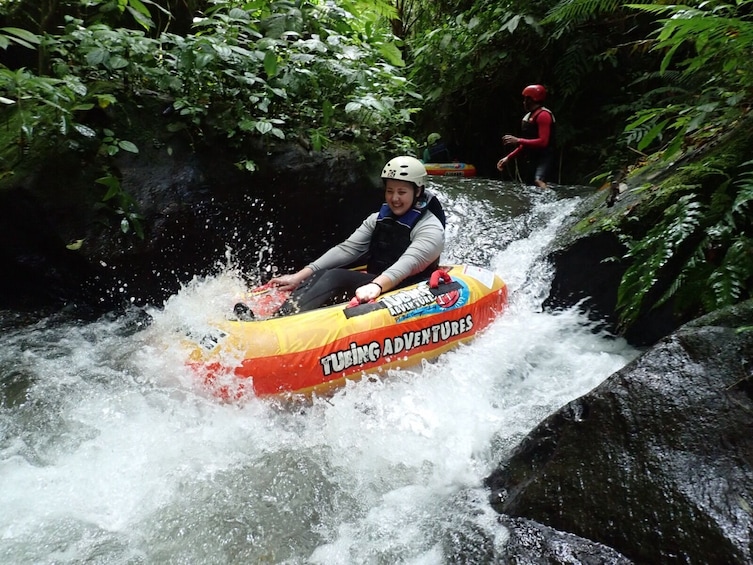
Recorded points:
(115, 450)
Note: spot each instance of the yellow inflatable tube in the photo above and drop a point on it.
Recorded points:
(316, 351)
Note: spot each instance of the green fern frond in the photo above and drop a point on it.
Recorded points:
(657, 8)
(744, 197)
(687, 219)
(580, 10)
(574, 64)
(680, 222)
(727, 284)
(691, 281)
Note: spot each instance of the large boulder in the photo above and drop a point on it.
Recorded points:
(667, 476)
(59, 243)
(588, 260)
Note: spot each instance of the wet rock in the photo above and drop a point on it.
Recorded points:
(667, 476)
(195, 208)
(588, 273)
(589, 263)
(531, 543)
(38, 270)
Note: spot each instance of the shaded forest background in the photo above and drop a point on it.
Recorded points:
(631, 84)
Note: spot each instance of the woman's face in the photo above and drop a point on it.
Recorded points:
(399, 195)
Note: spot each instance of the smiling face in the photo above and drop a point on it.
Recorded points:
(399, 195)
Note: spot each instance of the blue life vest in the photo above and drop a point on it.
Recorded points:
(438, 153)
(391, 237)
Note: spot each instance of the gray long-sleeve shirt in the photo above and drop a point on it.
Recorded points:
(427, 243)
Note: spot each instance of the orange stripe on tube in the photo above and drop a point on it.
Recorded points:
(316, 351)
(403, 344)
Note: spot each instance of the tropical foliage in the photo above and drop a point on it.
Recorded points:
(286, 69)
(708, 70)
(628, 80)
(673, 78)
(243, 70)
(700, 253)
(704, 244)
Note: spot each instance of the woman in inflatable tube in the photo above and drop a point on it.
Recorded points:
(400, 245)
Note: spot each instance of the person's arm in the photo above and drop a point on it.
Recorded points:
(338, 256)
(544, 123)
(291, 282)
(350, 250)
(509, 157)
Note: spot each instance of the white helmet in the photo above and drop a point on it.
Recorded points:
(405, 168)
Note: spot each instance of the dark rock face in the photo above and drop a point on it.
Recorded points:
(582, 276)
(668, 473)
(37, 267)
(195, 206)
(588, 271)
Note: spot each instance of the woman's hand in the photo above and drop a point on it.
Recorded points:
(368, 292)
(501, 163)
(510, 140)
(291, 282)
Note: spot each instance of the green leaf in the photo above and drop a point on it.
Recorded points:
(328, 112)
(113, 186)
(246, 165)
(173, 127)
(392, 54)
(247, 125)
(104, 100)
(238, 14)
(137, 227)
(652, 134)
(648, 115)
(203, 59)
(158, 7)
(128, 146)
(21, 36)
(116, 62)
(222, 50)
(137, 6)
(351, 107)
(270, 63)
(97, 56)
(263, 127)
(86, 131)
(144, 21)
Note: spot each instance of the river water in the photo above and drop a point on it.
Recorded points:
(110, 453)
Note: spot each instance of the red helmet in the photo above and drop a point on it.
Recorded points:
(535, 92)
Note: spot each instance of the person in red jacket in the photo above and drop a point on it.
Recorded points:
(536, 142)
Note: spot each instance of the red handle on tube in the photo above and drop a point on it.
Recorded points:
(439, 276)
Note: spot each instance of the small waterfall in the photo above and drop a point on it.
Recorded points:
(111, 453)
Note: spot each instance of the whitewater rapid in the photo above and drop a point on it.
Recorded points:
(110, 452)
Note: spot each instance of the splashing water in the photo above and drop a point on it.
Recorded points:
(110, 452)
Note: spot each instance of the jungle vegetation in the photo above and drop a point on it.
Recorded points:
(631, 82)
